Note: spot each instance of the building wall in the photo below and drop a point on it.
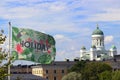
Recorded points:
(56, 70)
(53, 71)
(50, 72)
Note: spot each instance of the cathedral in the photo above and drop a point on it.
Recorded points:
(97, 51)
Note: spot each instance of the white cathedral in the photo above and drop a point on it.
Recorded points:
(97, 51)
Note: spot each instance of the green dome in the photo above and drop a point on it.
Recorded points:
(97, 32)
(113, 47)
(83, 48)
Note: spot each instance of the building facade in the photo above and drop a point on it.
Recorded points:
(54, 71)
(97, 50)
(23, 72)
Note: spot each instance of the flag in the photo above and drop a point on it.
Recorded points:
(31, 45)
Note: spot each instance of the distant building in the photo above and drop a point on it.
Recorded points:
(54, 71)
(97, 51)
(23, 72)
(117, 57)
(25, 77)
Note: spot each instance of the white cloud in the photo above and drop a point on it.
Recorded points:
(99, 10)
(108, 15)
(109, 39)
(61, 38)
(58, 36)
(57, 7)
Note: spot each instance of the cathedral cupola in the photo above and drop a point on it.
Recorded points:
(83, 48)
(97, 31)
(113, 51)
(98, 38)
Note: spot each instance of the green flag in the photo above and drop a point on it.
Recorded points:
(31, 45)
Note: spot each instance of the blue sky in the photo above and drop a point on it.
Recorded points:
(70, 22)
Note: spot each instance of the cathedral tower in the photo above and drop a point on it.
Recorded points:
(98, 39)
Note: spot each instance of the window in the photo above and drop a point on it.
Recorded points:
(62, 71)
(47, 77)
(55, 78)
(46, 71)
(54, 71)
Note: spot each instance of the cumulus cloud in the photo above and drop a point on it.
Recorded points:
(109, 39)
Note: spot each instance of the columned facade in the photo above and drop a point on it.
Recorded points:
(97, 50)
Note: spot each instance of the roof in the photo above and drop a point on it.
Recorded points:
(113, 47)
(83, 48)
(60, 64)
(97, 32)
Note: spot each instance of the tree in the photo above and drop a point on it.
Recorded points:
(116, 75)
(106, 75)
(78, 67)
(93, 69)
(3, 67)
(4, 62)
(72, 76)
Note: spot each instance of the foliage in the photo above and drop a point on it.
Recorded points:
(106, 75)
(5, 61)
(3, 73)
(116, 75)
(78, 67)
(72, 76)
(93, 69)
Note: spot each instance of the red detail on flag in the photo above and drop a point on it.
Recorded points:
(49, 51)
(47, 42)
(29, 39)
(19, 48)
(35, 41)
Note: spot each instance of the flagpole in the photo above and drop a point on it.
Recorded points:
(9, 49)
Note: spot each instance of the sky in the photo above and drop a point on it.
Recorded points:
(70, 22)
